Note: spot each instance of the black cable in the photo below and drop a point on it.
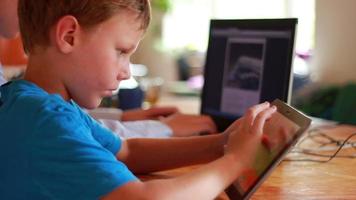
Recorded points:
(341, 145)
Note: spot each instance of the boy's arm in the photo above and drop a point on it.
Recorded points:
(143, 155)
(204, 183)
(210, 180)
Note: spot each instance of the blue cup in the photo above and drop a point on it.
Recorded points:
(130, 98)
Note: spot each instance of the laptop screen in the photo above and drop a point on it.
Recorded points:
(248, 62)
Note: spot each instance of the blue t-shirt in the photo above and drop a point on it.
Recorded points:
(50, 149)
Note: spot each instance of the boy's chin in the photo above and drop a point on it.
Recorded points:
(90, 104)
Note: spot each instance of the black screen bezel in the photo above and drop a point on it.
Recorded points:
(289, 24)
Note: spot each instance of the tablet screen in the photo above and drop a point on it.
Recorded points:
(281, 131)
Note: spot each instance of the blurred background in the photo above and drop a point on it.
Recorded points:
(171, 56)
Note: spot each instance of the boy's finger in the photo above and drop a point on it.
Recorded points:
(257, 127)
(161, 111)
(283, 133)
(251, 114)
(234, 126)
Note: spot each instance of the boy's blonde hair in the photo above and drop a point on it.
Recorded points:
(36, 17)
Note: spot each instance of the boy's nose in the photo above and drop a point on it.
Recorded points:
(124, 74)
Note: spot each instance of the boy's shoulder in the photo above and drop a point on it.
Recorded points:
(38, 112)
(26, 97)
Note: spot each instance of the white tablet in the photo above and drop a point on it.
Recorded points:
(281, 132)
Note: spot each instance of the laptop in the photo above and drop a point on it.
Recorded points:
(248, 62)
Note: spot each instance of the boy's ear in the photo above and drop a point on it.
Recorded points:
(66, 33)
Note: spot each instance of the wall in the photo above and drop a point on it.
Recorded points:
(159, 63)
(335, 42)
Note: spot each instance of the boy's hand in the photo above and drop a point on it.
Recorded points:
(277, 140)
(151, 113)
(184, 125)
(245, 134)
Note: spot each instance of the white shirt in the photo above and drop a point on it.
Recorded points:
(110, 118)
(2, 78)
(138, 129)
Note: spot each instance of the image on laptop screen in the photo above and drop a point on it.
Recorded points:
(248, 62)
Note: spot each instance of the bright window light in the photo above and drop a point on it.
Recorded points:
(186, 26)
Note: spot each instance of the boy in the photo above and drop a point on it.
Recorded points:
(78, 53)
(138, 123)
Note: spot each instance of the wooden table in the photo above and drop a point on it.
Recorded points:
(186, 104)
(290, 180)
(302, 180)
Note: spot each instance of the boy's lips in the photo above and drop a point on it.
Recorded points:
(108, 92)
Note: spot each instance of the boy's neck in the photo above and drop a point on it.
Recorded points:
(45, 75)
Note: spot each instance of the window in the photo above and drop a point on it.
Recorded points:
(187, 24)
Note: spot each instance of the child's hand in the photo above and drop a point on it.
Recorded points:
(275, 141)
(245, 134)
(184, 125)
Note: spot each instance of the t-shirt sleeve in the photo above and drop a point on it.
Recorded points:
(67, 162)
(103, 135)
